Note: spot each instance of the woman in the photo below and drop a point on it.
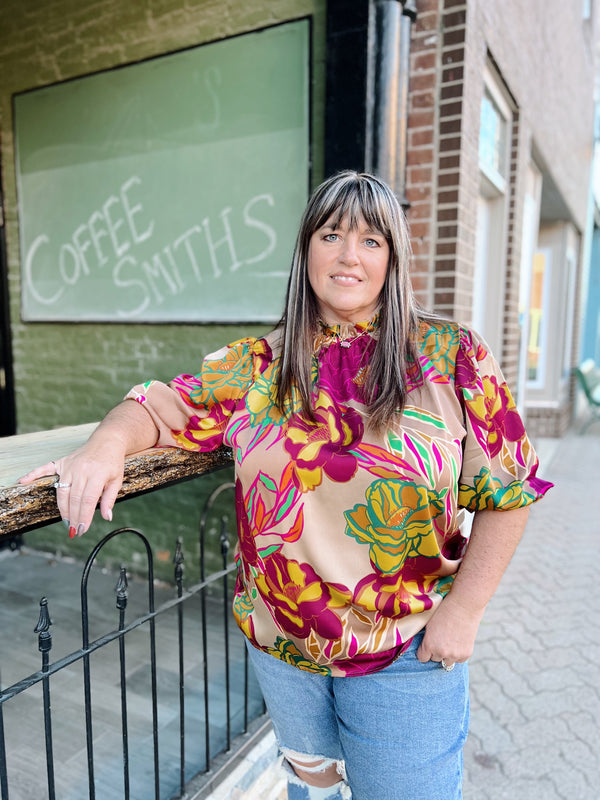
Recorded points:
(361, 427)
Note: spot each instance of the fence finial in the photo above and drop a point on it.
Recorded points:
(178, 560)
(121, 588)
(43, 627)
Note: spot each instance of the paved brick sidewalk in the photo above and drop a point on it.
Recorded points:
(535, 674)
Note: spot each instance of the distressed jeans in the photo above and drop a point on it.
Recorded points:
(396, 734)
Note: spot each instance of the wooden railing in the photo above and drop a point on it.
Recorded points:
(23, 508)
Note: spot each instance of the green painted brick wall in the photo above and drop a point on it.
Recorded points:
(68, 374)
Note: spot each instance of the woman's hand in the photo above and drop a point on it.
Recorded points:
(90, 474)
(94, 472)
(450, 633)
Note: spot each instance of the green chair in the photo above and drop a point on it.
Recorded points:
(588, 376)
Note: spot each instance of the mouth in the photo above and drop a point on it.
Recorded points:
(346, 280)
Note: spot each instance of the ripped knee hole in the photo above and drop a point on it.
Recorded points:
(316, 765)
(312, 763)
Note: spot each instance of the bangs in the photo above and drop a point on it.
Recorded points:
(354, 200)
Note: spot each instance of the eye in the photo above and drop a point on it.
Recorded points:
(330, 237)
(372, 243)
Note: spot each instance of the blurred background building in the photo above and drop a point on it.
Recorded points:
(502, 226)
(148, 208)
(478, 112)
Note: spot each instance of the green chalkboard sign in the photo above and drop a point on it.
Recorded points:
(167, 190)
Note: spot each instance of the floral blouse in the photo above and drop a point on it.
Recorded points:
(349, 538)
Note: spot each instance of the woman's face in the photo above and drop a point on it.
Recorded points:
(347, 269)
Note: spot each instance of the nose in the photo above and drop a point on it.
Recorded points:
(349, 252)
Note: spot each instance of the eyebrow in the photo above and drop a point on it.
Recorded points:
(366, 231)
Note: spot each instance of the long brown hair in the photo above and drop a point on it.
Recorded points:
(353, 197)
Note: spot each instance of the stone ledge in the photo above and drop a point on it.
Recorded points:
(25, 507)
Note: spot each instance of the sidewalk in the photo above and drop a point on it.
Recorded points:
(535, 673)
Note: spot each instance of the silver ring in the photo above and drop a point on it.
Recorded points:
(60, 485)
(447, 667)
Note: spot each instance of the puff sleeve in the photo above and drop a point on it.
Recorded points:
(192, 411)
(499, 462)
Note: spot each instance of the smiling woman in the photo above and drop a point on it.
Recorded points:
(359, 434)
(361, 220)
(347, 265)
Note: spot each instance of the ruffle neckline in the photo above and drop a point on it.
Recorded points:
(344, 333)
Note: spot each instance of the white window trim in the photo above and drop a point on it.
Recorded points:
(489, 276)
(571, 262)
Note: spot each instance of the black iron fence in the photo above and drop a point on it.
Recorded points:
(157, 700)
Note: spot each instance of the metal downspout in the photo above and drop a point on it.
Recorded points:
(390, 76)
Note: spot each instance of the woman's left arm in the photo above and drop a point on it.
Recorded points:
(451, 631)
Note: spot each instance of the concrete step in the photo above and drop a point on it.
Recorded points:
(257, 777)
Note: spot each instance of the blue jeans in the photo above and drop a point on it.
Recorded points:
(396, 734)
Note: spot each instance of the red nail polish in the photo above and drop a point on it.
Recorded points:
(72, 532)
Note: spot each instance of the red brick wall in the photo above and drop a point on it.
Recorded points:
(423, 147)
(452, 42)
(434, 174)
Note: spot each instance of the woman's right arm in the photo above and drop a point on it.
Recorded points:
(94, 472)
(191, 411)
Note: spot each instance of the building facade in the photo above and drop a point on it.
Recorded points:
(478, 112)
(69, 371)
(499, 155)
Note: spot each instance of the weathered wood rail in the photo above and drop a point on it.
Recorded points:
(23, 508)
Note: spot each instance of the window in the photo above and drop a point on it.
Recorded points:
(586, 9)
(529, 243)
(493, 138)
(538, 317)
(489, 276)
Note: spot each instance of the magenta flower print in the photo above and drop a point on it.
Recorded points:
(342, 369)
(407, 592)
(205, 432)
(466, 375)
(299, 600)
(324, 446)
(494, 416)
